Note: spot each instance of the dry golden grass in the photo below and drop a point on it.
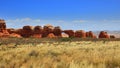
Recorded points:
(77, 54)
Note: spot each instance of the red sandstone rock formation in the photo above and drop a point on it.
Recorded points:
(90, 34)
(112, 36)
(51, 35)
(19, 31)
(94, 36)
(3, 30)
(37, 30)
(47, 29)
(103, 35)
(11, 30)
(15, 35)
(80, 34)
(4, 35)
(87, 34)
(2, 24)
(27, 31)
(57, 31)
(64, 35)
(71, 33)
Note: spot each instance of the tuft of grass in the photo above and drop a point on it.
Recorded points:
(33, 53)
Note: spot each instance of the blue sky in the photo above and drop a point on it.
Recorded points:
(69, 14)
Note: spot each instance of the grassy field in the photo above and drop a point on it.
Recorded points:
(68, 54)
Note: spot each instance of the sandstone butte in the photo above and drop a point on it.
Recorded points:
(48, 31)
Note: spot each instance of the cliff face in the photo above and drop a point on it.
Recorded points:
(3, 30)
(2, 25)
(47, 31)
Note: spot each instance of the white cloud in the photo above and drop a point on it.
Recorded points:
(23, 20)
(19, 23)
(64, 24)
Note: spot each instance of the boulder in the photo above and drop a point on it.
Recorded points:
(37, 30)
(80, 34)
(112, 36)
(49, 26)
(11, 30)
(90, 34)
(27, 31)
(2, 24)
(47, 29)
(71, 33)
(57, 31)
(87, 34)
(4, 34)
(103, 34)
(51, 35)
(64, 35)
(94, 36)
(4, 31)
(15, 35)
(18, 31)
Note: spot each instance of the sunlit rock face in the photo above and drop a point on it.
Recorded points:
(11, 30)
(37, 30)
(90, 34)
(103, 34)
(71, 33)
(48, 31)
(80, 34)
(27, 31)
(15, 35)
(57, 31)
(3, 30)
(2, 24)
(64, 35)
(51, 35)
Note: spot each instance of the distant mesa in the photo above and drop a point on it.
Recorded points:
(47, 31)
